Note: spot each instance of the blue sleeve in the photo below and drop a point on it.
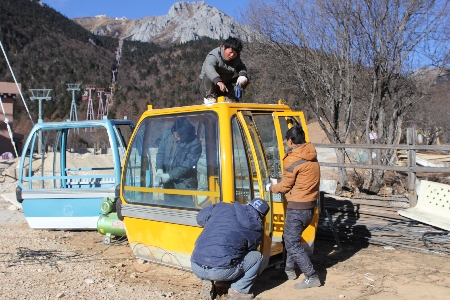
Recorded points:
(204, 215)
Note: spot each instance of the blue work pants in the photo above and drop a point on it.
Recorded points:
(242, 275)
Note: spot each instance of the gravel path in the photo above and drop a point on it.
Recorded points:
(41, 264)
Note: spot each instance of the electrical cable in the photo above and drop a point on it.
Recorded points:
(15, 80)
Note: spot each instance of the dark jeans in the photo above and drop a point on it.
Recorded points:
(296, 222)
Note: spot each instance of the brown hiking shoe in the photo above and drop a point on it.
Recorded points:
(308, 282)
(232, 294)
(207, 292)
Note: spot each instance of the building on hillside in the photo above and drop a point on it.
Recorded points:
(8, 91)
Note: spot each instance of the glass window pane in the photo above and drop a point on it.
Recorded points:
(266, 128)
(122, 135)
(39, 165)
(174, 160)
(284, 122)
(242, 177)
(87, 161)
(260, 156)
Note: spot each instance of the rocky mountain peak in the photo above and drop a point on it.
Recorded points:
(185, 21)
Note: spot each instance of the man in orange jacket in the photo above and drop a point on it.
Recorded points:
(300, 184)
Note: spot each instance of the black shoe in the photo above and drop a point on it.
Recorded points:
(308, 282)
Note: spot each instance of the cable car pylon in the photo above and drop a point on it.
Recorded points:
(90, 107)
(74, 87)
(101, 108)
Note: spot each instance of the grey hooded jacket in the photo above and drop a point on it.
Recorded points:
(216, 68)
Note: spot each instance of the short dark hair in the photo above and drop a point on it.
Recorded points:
(296, 135)
(233, 43)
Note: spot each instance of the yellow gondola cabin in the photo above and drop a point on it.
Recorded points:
(241, 149)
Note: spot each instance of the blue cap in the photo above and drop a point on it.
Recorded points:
(260, 205)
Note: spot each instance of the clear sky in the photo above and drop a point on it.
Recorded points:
(132, 9)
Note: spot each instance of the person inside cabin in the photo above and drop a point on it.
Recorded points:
(226, 249)
(176, 161)
(300, 185)
(223, 72)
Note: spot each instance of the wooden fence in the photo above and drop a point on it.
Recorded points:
(411, 168)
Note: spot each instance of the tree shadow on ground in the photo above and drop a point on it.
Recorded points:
(329, 249)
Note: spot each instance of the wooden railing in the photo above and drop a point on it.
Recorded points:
(411, 168)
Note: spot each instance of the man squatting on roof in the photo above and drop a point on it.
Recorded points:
(223, 72)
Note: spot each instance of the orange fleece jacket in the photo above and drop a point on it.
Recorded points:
(301, 177)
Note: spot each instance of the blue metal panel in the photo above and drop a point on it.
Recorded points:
(84, 207)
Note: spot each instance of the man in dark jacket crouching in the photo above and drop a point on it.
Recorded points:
(226, 248)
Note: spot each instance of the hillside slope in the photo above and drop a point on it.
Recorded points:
(48, 50)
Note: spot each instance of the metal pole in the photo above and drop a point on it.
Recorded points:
(73, 108)
(40, 131)
(411, 164)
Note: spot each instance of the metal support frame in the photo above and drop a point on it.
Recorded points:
(107, 103)
(100, 111)
(74, 87)
(40, 95)
(90, 108)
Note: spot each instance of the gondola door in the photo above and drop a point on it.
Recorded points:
(284, 121)
(260, 177)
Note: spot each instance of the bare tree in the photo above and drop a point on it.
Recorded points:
(350, 61)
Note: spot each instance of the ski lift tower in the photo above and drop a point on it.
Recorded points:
(101, 111)
(73, 108)
(90, 108)
(40, 94)
(107, 102)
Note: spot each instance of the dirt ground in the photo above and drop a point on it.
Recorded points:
(41, 264)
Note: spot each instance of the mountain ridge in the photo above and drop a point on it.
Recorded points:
(184, 22)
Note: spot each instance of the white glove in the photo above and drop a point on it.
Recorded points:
(268, 187)
(242, 80)
(165, 177)
(159, 172)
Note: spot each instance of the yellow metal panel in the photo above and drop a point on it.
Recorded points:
(309, 235)
(165, 242)
(278, 218)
